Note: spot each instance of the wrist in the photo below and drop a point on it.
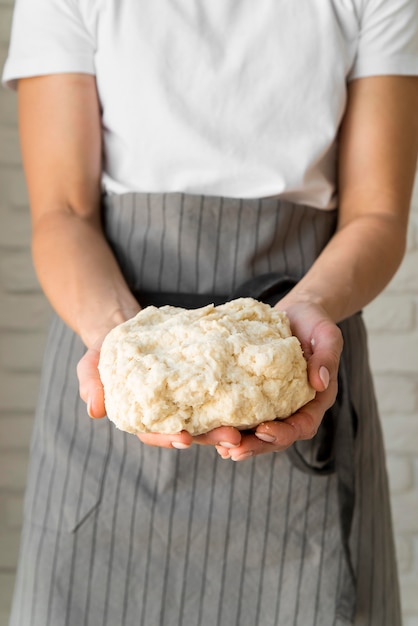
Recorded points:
(302, 299)
(93, 328)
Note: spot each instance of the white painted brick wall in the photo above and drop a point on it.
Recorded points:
(393, 339)
(24, 314)
(392, 320)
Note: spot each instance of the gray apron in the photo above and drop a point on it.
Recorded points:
(117, 533)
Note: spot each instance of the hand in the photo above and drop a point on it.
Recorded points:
(321, 342)
(225, 436)
(322, 345)
(90, 384)
(91, 391)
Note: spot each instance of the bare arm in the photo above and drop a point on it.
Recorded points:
(377, 164)
(61, 147)
(60, 133)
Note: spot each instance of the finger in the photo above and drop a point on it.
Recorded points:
(180, 441)
(91, 387)
(327, 344)
(278, 435)
(282, 436)
(224, 453)
(226, 436)
(307, 420)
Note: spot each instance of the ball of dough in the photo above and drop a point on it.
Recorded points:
(170, 369)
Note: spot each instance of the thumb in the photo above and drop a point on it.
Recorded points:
(90, 384)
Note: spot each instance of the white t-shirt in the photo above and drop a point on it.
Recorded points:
(238, 98)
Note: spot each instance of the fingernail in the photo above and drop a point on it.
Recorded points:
(324, 376)
(179, 445)
(227, 444)
(89, 403)
(243, 456)
(224, 454)
(265, 437)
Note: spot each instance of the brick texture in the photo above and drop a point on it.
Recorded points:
(392, 321)
(24, 315)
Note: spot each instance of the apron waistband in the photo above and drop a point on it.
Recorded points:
(268, 288)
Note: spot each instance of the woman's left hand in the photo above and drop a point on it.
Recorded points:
(322, 344)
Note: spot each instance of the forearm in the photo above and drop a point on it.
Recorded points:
(377, 157)
(355, 266)
(61, 141)
(79, 274)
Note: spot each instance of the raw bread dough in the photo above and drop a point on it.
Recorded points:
(170, 369)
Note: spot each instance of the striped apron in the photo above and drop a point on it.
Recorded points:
(117, 533)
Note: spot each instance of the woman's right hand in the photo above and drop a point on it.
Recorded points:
(92, 392)
(90, 384)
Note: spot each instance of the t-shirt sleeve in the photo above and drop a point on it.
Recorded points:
(388, 38)
(48, 37)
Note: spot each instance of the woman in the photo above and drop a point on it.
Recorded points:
(231, 143)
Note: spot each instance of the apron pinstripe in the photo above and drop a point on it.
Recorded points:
(120, 534)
